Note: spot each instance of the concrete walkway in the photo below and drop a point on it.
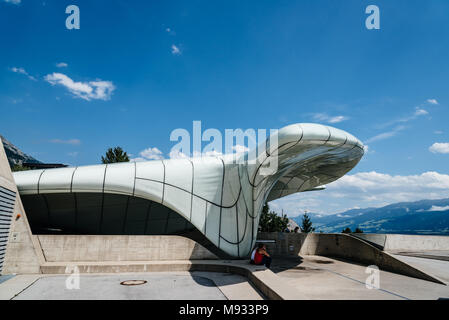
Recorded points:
(317, 277)
(296, 278)
(159, 285)
(268, 283)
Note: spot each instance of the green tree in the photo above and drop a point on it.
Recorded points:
(19, 167)
(306, 225)
(115, 155)
(346, 230)
(358, 230)
(270, 221)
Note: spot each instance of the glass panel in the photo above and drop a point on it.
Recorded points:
(62, 212)
(36, 211)
(157, 222)
(114, 209)
(88, 207)
(138, 210)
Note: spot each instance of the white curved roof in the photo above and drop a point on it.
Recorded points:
(220, 197)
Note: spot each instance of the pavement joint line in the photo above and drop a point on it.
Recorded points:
(26, 288)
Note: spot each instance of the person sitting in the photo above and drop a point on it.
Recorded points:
(261, 256)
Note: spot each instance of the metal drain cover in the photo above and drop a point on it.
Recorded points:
(133, 282)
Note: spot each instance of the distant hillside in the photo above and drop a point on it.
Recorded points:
(15, 155)
(421, 217)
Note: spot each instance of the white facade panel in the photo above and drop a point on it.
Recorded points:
(199, 213)
(88, 179)
(178, 200)
(229, 224)
(56, 180)
(152, 170)
(150, 190)
(178, 172)
(208, 179)
(213, 223)
(120, 178)
(27, 181)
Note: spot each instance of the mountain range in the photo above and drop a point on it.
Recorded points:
(420, 217)
(15, 155)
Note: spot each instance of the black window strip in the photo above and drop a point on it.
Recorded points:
(8, 197)
(8, 192)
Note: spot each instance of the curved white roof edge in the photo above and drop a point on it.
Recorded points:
(221, 197)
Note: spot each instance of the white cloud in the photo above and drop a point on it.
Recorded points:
(240, 149)
(329, 119)
(386, 135)
(149, 154)
(72, 154)
(62, 65)
(438, 208)
(92, 90)
(212, 153)
(438, 132)
(420, 112)
(439, 147)
(176, 154)
(13, 1)
(432, 101)
(156, 154)
(435, 208)
(23, 71)
(367, 189)
(70, 141)
(175, 50)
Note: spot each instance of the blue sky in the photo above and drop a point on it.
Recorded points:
(154, 66)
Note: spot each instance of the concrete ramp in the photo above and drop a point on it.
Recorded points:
(436, 267)
(352, 248)
(346, 247)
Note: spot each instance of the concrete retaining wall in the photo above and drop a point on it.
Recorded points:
(23, 253)
(400, 242)
(404, 242)
(72, 248)
(340, 246)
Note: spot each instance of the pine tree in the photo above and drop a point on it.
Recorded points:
(358, 230)
(307, 224)
(271, 222)
(115, 155)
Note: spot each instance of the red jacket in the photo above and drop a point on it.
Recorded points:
(258, 257)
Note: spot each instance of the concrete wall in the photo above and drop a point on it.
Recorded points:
(23, 253)
(399, 242)
(74, 248)
(339, 246)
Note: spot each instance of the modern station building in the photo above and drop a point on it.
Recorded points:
(216, 201)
